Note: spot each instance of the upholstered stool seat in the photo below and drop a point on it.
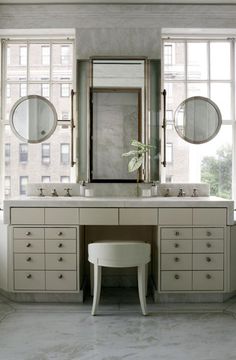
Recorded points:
(119, 254)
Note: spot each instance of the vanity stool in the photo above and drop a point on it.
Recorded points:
(119, 254)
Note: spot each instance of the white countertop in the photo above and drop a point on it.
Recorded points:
(158, 202)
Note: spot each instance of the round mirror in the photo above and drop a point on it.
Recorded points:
(33, 119)
(197, 120)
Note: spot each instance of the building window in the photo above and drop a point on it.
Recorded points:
(23, 153)
(65, 90)
(169, 153)
(65, 115)
(168, 57)
(45, 51)
(8, 56)
(23, 55)
(65, 55)
(45, 90)
(7, 186)
(64, 179)
(23, 184)
(46, 154)
(7, 153)
(46, 179)
(65, 154)
(23, 90)
(8, 91)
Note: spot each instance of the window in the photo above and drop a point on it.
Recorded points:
(7, 186)
(23, 153)
(23, 184)
(64, 179)
(65, 55)
(7, 153)
(46, 154)
(169, 178)
(23, 90)
(8, 90)
(194, 68)
(65, 155)
(65, 115)
(65, 90)
(46, 179)
(45, 90)
(45, 55)
(23, 55)
(8, 56)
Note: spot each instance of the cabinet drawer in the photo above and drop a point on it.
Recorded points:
(172, 216)
(99, 216)
(29, 261)
(176, 280)
(208, 246)
(176, 246)
(60, 261)
(138, 216)
(209, 216)
(176, 233)
(61, 216)
(208, 233)
(60, 246)
(208, 262)
(28, 246)
(28, 233)
(61, 280)
(29, 280)
(176, 261)
(208, 280)
(27, 216)
(60, 233)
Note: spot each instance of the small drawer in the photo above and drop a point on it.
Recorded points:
(138, 216)
(209, 216)
(176, 280)
(176, 246)
(61, 280)
(60, 233)
(28, 233)
(208, 246)
(176, 261)
(27, 216)
(60, 246)
(208, 262)
(176, 233)
(208, 233)
(208, 280)
(99, 216)
(60, 216)
(28, 246)
(29, 280)
(172, 216)
(29, 261)
(60, 261)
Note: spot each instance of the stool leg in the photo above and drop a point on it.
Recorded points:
(91, 278)
(96, 287)
(142, 287)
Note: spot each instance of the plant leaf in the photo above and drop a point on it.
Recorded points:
(132, 152)
(135, 163)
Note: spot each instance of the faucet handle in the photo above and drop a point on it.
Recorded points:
(195, 193)
(67, 191)
(41, 191)
(54, 192)
(167, 192)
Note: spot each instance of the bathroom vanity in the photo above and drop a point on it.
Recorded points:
(190, 238)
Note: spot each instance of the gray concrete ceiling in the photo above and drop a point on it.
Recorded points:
(144, 2)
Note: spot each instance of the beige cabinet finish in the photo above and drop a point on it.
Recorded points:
(176, 246)
(176, 281)
(28, 233)
(140, 216)
(29, 261)
(60, 261)
(208, 262)
(60, 280)
(98, 216)
(176, 233)
(178, 216)
(28, 246)
(208, 246)
(29, 280)
(176, 261)
(61, 216)
(60, 246)
(25, 216)
(208, 280)
(209, 216)
(60, 233)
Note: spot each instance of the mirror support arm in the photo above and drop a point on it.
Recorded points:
(72, 127)
(164, 126)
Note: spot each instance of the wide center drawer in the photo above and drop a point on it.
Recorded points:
(29, 261)
(60, 261)
(60, 233)
(176, 261)
(98, 216)
(135, 216)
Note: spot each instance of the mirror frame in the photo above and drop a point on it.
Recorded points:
(12, 112)
(218, 113)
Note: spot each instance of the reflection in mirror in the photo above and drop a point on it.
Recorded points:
(197, 120)
(33, 119)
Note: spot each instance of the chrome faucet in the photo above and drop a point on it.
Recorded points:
(41, 192)
(181, 193)
(54, 192)
(167, 192)
(67, 190)
(195, 193)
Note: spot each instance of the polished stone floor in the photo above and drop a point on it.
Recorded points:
(33, 331)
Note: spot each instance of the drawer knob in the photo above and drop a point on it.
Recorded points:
(177, 233)
(208, 276)
(28, 258)
(208, 233)
(28, 244)
(28, 233)
(60, 245)
(60, 259)
(208, 245)
(208, 259)
(176, 259)
(60, 276)
(60, 233)
(176, 245)
(28, 276)
(177, 276)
